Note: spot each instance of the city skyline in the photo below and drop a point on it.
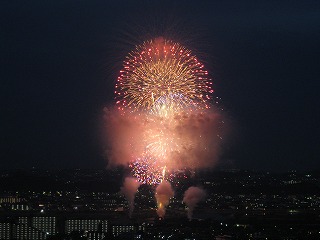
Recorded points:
(80, 204)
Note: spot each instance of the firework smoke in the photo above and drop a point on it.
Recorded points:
(129, 189)
(192, 197)
(185, 141)
(124, 134)
(163, 122)
(163, 194)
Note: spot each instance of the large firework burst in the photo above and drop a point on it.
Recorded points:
(159, 69)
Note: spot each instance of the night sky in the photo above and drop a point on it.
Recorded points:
(60, 59)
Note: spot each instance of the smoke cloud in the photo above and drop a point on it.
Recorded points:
(196, 137)
(163, 194)
(123, 135)
(129, 189)
(192, 197)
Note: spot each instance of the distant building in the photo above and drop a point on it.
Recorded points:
(25, 231)
(5, 231)
(123, 228)
(90, 225)
(20, 207)
(95, 235)
(45, 224)
(34, 228)
(10, 199)
(13, 203)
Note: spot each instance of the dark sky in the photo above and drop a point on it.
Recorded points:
(59, 61)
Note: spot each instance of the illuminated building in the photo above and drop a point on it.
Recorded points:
(5, 229)
(119, 229)
(45, 224)
(90, 225)
(10, 199)
(25, 231)
(20, 207)
(95, 235)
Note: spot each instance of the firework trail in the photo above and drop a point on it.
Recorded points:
(163, 194)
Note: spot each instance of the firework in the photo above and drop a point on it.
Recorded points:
(163, 140)
(161, 68)
(164, 129)
(174, 142)
(147, 170)
(170, 105)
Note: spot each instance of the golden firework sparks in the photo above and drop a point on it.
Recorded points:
(162, 68)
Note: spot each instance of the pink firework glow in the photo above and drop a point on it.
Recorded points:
(163, 122)
(160, 68)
